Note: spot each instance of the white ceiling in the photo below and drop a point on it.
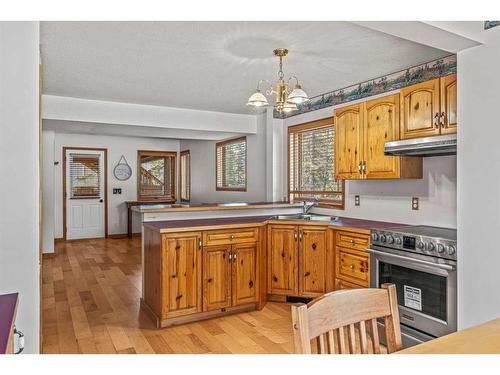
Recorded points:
(212, 65)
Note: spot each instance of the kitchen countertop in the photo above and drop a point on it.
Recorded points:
(181, 207)
(358, 225)
(8, 305)
(480, 339)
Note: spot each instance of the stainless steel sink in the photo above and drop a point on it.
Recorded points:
(308, 217)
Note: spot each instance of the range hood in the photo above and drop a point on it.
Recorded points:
(428, 146)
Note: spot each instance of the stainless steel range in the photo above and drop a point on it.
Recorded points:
(421, 262)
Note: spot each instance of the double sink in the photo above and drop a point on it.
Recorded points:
(305, 217)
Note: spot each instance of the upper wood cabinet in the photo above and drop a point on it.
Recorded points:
(448, 96)
(348, 141)
(361, 132)
(429, 108)
(181, 274)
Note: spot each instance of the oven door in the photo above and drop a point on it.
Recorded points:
(427, 291)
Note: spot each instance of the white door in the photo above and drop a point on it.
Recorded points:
(84, 194)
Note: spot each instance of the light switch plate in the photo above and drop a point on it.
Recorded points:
(414, 203)
(356, 200)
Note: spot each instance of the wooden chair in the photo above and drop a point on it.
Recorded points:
(327, 319)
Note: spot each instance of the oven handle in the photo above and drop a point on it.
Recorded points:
(390, 255)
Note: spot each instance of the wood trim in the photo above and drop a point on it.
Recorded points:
(325, 202)
(216, 207)
(181, 154)
(124, 235)
(105, 150)
(171, 197)
(224, 143)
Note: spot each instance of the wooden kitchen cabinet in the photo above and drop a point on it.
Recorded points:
(312, 261)
(348, 123)
(244, 274)
(181, 267)
(283, 260)
(216, 277)
(352, 263)
(429, 108)
(299, 260)
(361, 133)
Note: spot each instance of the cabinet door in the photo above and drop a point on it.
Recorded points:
(448, 104)
(181, 292)
(244, 274)
(381, 125)
(353, 266)
(312, 261)
(348, 141)
(282, 260)
(420, 110)
(216, 277)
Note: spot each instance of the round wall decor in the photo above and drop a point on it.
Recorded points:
(122, 171)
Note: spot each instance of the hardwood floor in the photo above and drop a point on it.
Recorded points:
(90, 302)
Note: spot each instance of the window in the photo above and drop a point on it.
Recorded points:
(156, 175)
(311, 159)
(85, 176)
(185, 176)
(231, 165)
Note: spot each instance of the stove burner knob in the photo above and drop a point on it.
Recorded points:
(374, 236)
(430, 246)
(390, 239)
(451, 250)
(399, 241)
(420, 245)
(382, 238)
(440, 248)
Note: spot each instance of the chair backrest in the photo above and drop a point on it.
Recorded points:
(335, 318)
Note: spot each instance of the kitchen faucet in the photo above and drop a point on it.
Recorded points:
(307, 207)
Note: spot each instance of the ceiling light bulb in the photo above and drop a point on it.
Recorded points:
(257, 99)
(298, 96)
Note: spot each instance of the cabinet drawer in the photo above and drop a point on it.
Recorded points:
(353, 240)
(342, 284)
(353, 266)
(228, 237)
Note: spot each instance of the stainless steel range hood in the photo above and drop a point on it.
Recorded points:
(428, 146)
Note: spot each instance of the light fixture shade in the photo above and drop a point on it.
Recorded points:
(289, 107)
(257, 99)
(298, 96)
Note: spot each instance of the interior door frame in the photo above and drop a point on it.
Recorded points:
(105, 150)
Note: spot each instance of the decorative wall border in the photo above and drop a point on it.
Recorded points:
(415, 74)
(490, 24)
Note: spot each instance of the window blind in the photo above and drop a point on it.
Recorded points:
(231, 164)
(85, 176)
(312, 164)
(185, 176)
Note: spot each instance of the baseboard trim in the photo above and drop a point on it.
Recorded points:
(123, 235)
(48, 255)
(61, 239)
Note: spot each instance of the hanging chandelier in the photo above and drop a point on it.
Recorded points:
(286, 98)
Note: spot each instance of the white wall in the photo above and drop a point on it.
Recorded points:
(19, 167)
(203, 169)
(390, 200)
(117, 146)
(479, 182)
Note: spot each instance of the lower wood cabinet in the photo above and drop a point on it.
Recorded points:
(300, 260)
(352, 263)
(229, 276)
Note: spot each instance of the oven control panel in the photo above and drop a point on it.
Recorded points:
(432, 246)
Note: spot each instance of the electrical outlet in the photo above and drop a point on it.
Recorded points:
(414, 203)
(356, 200)
(117, 190)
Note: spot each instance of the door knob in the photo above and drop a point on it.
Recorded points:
(101, 200)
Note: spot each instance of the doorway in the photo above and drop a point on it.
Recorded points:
(85, 203)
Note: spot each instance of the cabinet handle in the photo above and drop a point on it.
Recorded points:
(295, 235)
(360, 168)
(231, 237)
(352, 242)
(442, 120)
(351, 266)
(234, 257)
(300, 236)
(199, 245)
(436, 120)
(230, 256)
